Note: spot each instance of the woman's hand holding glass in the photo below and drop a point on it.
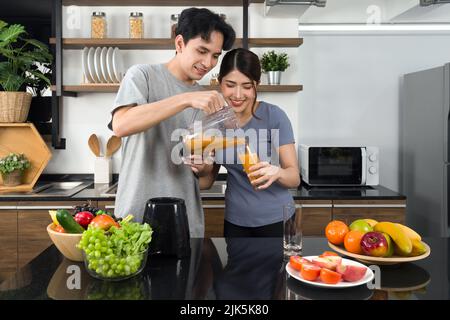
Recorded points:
(263, 174)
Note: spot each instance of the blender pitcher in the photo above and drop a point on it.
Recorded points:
(212, 132)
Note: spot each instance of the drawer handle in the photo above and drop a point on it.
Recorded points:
(313, 206)
(214, 206)
(8, 207)
(110, 207)
(370, 205)
(43, 207)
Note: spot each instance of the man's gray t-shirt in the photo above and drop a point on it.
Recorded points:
(147, 170)
(243, 205)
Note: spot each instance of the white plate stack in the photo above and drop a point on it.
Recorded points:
(102, 65)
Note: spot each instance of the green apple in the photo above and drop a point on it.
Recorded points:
(360, 225)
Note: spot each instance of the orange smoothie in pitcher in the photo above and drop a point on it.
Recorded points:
(198, 144)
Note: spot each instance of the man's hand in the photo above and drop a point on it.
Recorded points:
(199, 165)
(208, 101)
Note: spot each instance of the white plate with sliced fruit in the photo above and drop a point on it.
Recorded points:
(329, 271)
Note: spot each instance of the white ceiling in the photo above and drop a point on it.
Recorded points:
(373, 11)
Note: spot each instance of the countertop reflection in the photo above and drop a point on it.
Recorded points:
(225, 269)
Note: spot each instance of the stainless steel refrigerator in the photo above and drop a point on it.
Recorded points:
(425, 152)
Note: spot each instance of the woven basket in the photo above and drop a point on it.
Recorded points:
(14, 106)
(12, 179)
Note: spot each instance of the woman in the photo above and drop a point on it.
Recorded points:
(254, 208)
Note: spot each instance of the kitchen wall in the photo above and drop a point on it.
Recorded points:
(351, 88)
(351, 82)
(90, 112)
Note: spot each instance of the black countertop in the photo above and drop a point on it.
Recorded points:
(227, 269)
(304, 192)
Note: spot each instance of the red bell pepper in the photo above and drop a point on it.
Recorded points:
(84, 218)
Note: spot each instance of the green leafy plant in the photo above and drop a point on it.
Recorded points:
(272, 61)
(14, 161)
(24, 62)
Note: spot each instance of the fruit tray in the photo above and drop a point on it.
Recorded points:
(380, 260)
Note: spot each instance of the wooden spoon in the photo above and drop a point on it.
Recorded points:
(94, 144)
(113, 145)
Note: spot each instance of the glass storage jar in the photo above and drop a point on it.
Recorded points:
(98, 25)
(136, 25)
(214, 81)
(173, 24)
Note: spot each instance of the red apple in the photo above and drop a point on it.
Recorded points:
(374, 244)
(351, 273)
(336, 259)
(326, 262)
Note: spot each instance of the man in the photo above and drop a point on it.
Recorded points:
(155, 100)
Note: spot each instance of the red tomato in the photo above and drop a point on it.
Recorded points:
(328, 253)
(310, 272)
(296, 262)
(329, 277)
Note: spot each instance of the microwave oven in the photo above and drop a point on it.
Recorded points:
(339, 166)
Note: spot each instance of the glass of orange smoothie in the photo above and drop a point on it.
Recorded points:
(248, 159)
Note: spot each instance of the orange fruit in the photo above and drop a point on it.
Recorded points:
(328, 253)
(336, 231)
(310, 272)
(296, 262)
(330, 277)
(352, 241)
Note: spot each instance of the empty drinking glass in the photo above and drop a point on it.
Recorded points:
(292, 230)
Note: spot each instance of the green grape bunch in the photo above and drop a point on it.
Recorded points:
(118, 252)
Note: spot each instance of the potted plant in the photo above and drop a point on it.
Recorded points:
(24, 63)
(12, 167)
(273, 64)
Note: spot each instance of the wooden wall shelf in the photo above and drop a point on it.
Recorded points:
(167, 44)
(105, 88)
(205, 3)
(59, 43)
(24, 138)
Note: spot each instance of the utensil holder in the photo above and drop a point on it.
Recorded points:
(103, 170)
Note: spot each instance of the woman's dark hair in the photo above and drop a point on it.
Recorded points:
(194, 22)
(244, 61)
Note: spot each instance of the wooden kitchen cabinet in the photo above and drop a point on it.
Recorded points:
(214, 211)
(8, 239)
(380, 210)
(32, 221)
(315, 214)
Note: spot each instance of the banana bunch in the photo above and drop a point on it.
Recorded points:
(408, 242)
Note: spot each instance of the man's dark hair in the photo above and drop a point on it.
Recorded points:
(194, 22)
